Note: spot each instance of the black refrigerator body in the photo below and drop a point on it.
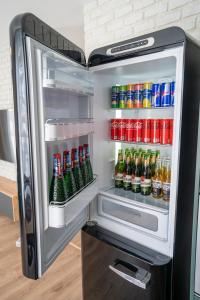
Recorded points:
(54, 87)
(115, 268)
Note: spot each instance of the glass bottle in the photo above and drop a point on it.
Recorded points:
(68, 175)
(167, 181)
(88, 162)
(76, 169)
(157, 181)
(127, 173)
(119, 170)
(146, 177)
(136, 175)
(57, 191)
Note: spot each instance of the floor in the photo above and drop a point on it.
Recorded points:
(55, 284)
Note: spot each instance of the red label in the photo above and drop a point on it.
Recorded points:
(114, 129)
(121, 129)
(146, 131)
(129, 132)
(137, 137)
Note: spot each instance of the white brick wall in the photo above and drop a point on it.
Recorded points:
(130, 18)
(6, 101)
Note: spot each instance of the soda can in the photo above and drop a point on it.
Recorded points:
(115, 96)
(138, 95)
(172, 92)
(155, 131)
(165, 94)
(122, 96)
(130, 96)
(164, 131)
(114, 129)
(137, 136)
(121, 129)
(129, 132)
(156, 99)
(171, 128)
(146, 94)
(146, 131)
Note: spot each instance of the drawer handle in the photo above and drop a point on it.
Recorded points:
(138, 272)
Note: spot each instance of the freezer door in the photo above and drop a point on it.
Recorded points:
(45, 231)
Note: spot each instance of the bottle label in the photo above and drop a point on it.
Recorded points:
(136, 181)
(127, 182)
(156, 188)
(166, 191)
(146, 186)
(56, 166)
(119, 180)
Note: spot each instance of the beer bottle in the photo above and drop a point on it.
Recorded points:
(119, 170)
(136, 175)
(157, 181)
(88, 162)
(57, 191)
(76, 169)
(167, 181)
(83, 166)
(68, 175)
(153, 163)
(127, 173)
(146, 177)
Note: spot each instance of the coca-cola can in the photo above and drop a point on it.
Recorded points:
(171, 128)
(146, 131)
(114, 129)
(129, 132)
(121, 129)
(155, 131)
(137, 136)
(164, 131)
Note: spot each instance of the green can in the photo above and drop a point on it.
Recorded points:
(122, 96)
(115, 96)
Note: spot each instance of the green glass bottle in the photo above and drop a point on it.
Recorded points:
(68, 175)
(88, 162)
(83, 166)
(57, 191)
(136, 176)
(146, 177)
(127, 173)
(119, 170)
(76, 169)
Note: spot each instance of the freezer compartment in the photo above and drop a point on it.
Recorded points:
(135, 211)
(115, 268)
(63, 129)
(62, 215)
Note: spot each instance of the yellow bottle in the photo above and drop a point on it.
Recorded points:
(157, 181)
(166, 186)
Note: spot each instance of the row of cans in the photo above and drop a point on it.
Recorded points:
(154, 131)
(143, 95)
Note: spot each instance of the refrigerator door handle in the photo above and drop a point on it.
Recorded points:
(140, 278)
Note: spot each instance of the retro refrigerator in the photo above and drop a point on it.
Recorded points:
(137, 244)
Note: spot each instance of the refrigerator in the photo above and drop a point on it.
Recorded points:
(144, 245)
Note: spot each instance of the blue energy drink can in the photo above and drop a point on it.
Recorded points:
(156, 97)
(165, 94)
(172, 92)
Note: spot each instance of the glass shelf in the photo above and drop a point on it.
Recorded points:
(141, 144)
(144, 108)
(138, 199)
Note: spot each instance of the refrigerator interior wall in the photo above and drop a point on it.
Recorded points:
(143, 219)
(64, 95)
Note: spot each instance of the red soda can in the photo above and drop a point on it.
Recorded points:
(121, 129)
(164, 131)
(171, 128)
(137, 136)
(114, 129)
(155, 131)
(129, 130)
(146, 131)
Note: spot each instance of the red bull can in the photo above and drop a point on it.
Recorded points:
(156, 98)
(172, 92)
(165, 94)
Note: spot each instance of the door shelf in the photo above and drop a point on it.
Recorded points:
(60, 215)
(74, 89)
(141, 144)
(63, 129)
(137, 199)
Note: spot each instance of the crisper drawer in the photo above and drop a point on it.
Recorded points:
(153, 222)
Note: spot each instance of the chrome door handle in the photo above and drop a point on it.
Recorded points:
(140, 283)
